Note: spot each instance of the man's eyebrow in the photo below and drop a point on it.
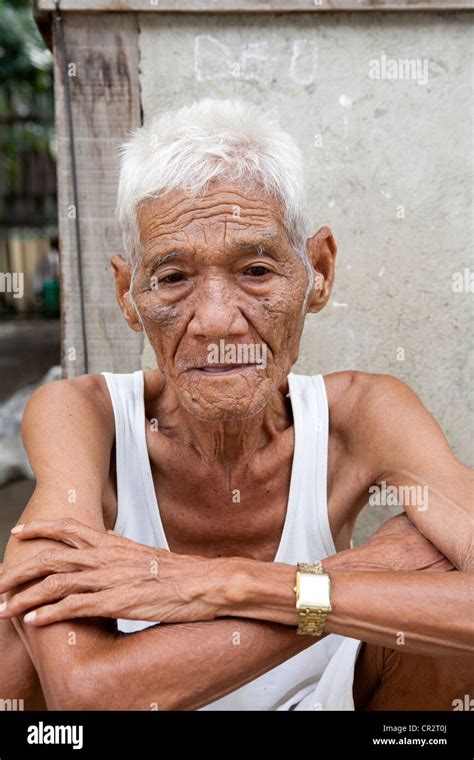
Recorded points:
(260, 242)
(246, 245)
(258, 237)
(159, 260)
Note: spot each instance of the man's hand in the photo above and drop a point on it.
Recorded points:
(99, 574)
(397, 545)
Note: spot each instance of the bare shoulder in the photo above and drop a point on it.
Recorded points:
(364, 405)
(380, 419)
(352, 392)
(84, 398)
(69, 425)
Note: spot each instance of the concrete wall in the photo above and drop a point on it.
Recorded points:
(389, 169)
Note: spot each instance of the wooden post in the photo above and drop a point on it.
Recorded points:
(103, 70)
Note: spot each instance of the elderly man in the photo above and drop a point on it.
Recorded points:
(188, 522)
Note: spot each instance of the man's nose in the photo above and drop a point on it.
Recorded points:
(217, 313)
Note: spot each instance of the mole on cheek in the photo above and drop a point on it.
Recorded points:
(275, 306)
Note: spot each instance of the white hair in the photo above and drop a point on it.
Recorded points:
(227, 139)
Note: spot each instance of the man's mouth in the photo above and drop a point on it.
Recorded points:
(225, 369)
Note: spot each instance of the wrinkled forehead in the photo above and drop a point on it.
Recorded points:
(221, 211)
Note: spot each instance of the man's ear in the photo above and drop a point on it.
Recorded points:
(321, 251)
(123, 276)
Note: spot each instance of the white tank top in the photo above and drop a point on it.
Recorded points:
(320, 677)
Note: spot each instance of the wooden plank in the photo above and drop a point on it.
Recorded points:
(253, 6)
(105, 105)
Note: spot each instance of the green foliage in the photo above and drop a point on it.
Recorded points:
(26, 87)
(23, 57)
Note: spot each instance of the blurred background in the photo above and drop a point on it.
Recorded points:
(29, 248)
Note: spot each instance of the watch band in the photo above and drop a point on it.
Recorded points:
(312, 620)
(316, 567)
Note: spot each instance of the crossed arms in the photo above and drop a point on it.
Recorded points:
(92, 577)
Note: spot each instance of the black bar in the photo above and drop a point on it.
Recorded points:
(137, 734)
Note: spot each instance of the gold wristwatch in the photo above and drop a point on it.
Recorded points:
(313, 597)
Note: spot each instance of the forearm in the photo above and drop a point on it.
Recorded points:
(88, 665)
(447, 521)
(186, 666)
(165, 667)
(428, 613)
(424, 613)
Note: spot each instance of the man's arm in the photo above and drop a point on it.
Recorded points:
(408, 452)
(68, 434)
(384, 608)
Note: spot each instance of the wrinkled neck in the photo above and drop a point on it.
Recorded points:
(227, 442)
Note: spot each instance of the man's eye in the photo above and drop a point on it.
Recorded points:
(257, 271)
(170, 279)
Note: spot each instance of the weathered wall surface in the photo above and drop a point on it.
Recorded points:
(389, 169)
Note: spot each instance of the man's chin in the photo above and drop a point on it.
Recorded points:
(231, 399)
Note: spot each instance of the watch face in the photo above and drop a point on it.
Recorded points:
(314, 591)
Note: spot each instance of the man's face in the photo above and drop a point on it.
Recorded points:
(220, 293)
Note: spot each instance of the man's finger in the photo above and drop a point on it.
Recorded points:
(46, 562)
(67, 530)
(51, 589)
(74, 606)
